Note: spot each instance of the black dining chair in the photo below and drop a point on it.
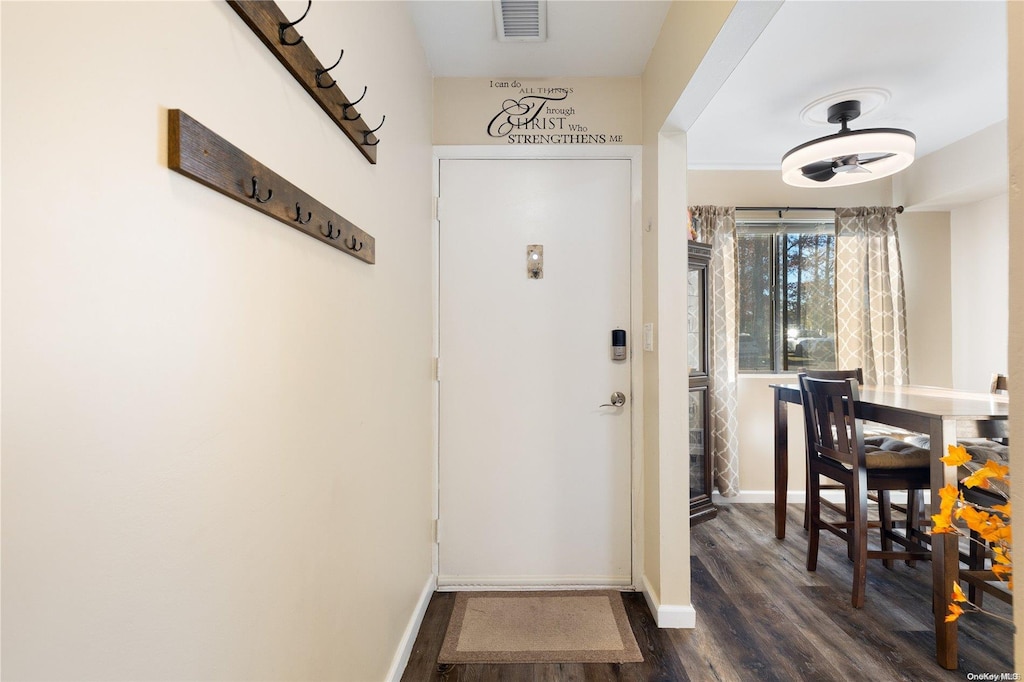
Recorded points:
(837, 451)
(874, 435)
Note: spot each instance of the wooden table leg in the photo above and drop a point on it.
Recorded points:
(781, 463)
(945, 552)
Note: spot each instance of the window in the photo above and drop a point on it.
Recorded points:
(786, 273)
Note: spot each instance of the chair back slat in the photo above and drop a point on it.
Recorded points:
(832, 427)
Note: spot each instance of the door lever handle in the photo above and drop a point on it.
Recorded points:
(618, 399)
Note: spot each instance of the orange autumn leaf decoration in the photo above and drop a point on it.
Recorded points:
(955, 610)
(990, 525)
(990, 470)
(958, 456)
(943, 521)
(958, 594)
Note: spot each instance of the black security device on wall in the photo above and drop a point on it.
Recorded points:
(618, 344)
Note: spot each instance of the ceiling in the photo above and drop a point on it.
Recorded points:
(585, 38)
(936, 68)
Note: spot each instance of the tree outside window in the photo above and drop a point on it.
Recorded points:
(786, 273)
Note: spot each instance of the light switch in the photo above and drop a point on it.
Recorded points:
(648, 336)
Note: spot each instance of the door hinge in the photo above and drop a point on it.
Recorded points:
(437, 531)
(437, 209)
(437, 369)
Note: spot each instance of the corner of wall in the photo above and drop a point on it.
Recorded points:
(1015, 20)
(681, 617)
(412, 628)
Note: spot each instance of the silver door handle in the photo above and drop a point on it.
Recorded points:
(618, 400)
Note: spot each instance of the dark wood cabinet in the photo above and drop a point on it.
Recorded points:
(701, 508)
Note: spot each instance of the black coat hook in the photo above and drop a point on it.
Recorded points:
(256, 192)
(298, 215)
(355, 245)
(349, 105)
(282, 27)
(366, 134)
(322, 72)
(331, 233)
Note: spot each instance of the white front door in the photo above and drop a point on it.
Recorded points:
(534, 475)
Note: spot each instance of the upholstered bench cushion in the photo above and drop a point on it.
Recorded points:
(897, 454)
(981, 450)
(890, 453)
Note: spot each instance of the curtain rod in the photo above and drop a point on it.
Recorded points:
(784, 209)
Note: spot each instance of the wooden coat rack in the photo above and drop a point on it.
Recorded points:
(280, 36)
(200, 154)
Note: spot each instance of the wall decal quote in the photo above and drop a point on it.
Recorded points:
(542, 115)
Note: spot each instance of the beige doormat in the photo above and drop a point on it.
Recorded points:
(539, 627)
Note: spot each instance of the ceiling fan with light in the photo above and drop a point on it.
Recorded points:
(849, 156)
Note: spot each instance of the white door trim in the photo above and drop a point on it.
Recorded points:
(634, 154)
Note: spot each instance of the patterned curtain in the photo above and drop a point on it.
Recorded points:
(718, 228)
(871, 319)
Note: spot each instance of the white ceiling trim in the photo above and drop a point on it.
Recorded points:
(740, 31)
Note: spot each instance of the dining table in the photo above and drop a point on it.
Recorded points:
(945, 416)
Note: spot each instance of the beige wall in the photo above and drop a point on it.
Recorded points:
(766, 188)
(1015, 10)
(925, 250)
(924, 246)
(968, 179)
(980, 291)
(963, 172)
(688, 31)
(216, 430)
(561, 111)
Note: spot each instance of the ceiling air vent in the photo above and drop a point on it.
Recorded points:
(521, 20)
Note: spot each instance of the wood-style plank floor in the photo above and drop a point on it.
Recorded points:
(762, 616)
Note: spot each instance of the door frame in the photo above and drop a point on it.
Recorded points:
(632, 153)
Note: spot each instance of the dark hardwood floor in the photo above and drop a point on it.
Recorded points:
(762, 616)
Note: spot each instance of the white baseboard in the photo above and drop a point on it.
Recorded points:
(404, 651)
(666, 615)
(766, 497)
(757, 497)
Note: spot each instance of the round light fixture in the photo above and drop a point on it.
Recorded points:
(850, 156)
(871, 99)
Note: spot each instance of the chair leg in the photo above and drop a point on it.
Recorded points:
(807, 494)
(860, 539)
(915, 503)
(849, 521)
(978, 552)
(813, 520)
(885, 525)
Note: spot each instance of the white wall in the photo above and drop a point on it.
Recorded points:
(980, 291)
(216, 430)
